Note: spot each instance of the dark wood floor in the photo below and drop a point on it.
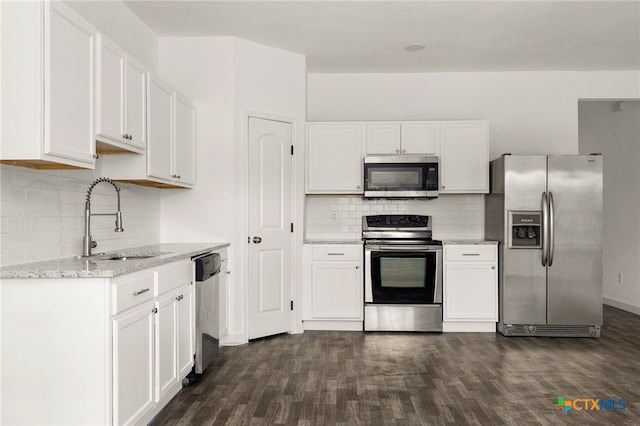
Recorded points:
(353, 378)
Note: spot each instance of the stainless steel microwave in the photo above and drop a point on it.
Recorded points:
(401, 176)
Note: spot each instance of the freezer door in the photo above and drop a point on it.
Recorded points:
(523, 293)
(574, 277)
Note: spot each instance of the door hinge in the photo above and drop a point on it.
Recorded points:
(292, 305)
(291, 226)
(291, 149)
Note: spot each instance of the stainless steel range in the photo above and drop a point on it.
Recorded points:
(403, 274)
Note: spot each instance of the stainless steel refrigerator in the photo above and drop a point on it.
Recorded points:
(546, 212)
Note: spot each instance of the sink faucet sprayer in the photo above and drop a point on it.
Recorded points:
(87, 242)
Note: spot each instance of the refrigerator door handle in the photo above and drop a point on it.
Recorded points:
(545, 228)
(552, 232)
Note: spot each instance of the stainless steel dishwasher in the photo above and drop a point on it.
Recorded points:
(207, 310)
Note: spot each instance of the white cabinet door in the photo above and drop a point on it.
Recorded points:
(334, 158)
(185, 320)
(166, 373)
(464, 157)
(160, 130)
(470, 292)
(109, 89)
(184, 148)
(420, 138)
(120, 99)
(69, 89)
(135, 108)
(336, 290)
(133, 364)
(383, 138)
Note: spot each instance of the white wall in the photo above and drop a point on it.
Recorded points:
(529, 112)
(228, 78)
(616, 134)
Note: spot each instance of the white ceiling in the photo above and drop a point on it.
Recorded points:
(370, 36)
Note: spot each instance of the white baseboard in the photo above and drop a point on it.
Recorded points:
(234, 340)
(621, 305)
(333, 325)
(469, 327)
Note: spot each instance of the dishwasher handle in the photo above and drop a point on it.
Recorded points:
(207, 266)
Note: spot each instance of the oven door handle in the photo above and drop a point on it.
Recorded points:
(404, 248)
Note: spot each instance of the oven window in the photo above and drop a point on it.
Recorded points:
(406, 277)
(402, 272)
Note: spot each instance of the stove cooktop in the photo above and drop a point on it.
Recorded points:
(397, 227)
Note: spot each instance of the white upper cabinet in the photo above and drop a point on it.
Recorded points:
(383, 138)
(169, 160)
(120, 99)
(420, 138)
(160, 119)
(402, 138)
(47, 86)
(464, 157)
(334, 158)
(184, 141)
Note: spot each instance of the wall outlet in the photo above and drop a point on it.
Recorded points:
(620, 278)
(334, 216)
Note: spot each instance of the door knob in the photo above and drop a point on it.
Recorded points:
(257, 240)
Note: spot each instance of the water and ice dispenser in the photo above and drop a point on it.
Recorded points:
(525, 229)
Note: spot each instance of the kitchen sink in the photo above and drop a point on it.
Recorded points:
(126, 256)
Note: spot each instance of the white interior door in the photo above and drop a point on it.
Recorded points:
(270, 236)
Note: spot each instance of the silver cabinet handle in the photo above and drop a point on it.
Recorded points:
(257, 240)
(471, 254)
(335, 254)
(139, 292)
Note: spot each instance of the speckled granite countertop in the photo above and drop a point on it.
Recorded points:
(468, 242)
(332, 241)
(99, 266)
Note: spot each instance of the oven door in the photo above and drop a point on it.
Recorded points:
(403, 274)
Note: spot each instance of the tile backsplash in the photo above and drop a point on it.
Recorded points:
(340, 217)
(42, 214)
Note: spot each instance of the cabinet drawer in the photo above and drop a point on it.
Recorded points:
(173, 276)
(470, 253)
(337, 252)
(132, 290)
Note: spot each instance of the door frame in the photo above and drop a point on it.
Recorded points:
(297, 210)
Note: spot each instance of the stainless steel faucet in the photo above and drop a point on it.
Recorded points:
(87, 242)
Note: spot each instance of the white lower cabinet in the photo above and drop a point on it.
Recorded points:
(332, 297)
(133, 364)
(470, 288)
(96, 350)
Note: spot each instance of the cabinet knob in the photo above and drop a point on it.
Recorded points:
(154, 310)
(397, 151)
(493, 267)
(358, 187)
(442, 187)
(357, 267)
(257, 240)
(178, 176)
(404, 151)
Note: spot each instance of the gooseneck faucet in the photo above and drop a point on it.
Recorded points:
(87, 241)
